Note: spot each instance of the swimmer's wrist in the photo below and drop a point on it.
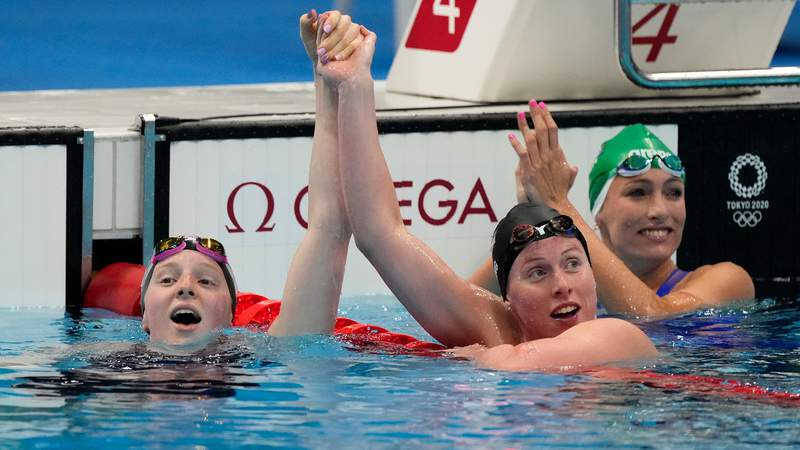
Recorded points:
(565, 207)
(356, 82)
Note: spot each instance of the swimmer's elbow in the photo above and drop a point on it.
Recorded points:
(371, 240)
(740, 282)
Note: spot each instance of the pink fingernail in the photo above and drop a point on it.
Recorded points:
(542, 105)
(521, 115)
(321, 51)
(338, 57)
(532, 103)
(327, 28)
(511, 136)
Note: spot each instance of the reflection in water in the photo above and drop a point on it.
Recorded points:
(146, 372)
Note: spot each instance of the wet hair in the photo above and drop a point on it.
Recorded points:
(504, 255)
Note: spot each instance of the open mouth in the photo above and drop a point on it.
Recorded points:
(565, 312)
(185, 317)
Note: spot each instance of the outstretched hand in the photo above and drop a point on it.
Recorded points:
(356, 66)
(543, 174)
(331, 36)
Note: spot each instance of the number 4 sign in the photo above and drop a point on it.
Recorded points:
(440, 25)
(662, 37)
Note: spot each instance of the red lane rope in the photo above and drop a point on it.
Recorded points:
(117, 288)
(702, 385)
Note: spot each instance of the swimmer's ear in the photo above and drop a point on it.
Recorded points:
(600, 224)
(145, 325)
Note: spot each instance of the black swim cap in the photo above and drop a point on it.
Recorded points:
(504, 253)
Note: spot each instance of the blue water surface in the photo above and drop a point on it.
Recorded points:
(108, 44)
(91, 381)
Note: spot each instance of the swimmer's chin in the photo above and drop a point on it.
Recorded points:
(185, 346)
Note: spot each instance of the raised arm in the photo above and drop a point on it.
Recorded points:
(313, 285)
(452, 310)
(545, 172)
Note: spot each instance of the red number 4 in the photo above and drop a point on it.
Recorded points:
(663, 37)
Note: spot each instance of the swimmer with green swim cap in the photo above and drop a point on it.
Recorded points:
(631, 152)
(636, 194)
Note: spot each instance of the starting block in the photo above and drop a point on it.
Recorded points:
(513, 50)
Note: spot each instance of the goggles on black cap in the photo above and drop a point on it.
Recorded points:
(525, 233)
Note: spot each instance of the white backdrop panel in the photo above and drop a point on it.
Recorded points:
(33, 205)
(441, 178)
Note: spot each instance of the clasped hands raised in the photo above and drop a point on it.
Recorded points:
(330, 39)
(542, 175)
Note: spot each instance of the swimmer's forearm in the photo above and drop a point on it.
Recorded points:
(369, 192)
(310, 307)
(325, 202)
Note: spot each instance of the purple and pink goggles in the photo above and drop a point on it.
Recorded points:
(208, 246)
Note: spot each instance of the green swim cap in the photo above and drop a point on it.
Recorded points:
(632, 140)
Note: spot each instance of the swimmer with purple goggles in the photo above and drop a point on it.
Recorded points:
(189, 290)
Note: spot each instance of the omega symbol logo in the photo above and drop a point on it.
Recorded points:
(748, 159)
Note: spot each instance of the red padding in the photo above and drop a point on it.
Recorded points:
(116, 288)
(261, 313)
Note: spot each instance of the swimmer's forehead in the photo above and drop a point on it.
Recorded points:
(193, 265)
(649, 178)
(558, 247)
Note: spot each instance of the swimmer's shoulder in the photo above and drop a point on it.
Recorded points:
(716, 284)
(618, 338)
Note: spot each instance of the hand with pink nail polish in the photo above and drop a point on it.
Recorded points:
(330, 36)
(543, 174)
(334, 68)
(338, 37)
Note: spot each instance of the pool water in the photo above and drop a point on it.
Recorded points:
(93, 381)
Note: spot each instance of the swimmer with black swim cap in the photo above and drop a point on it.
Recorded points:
(548, 320)
(526, 223)
(544, 271)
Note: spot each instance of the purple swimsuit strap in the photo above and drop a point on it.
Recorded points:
(674, 278)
